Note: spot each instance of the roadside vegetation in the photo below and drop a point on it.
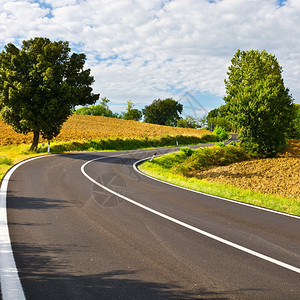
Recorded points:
(12, 154)
(235, 173)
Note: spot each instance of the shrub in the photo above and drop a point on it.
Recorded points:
(187, 150)
(169, 160)
(220, 144)
(204, 158)
(221, 133)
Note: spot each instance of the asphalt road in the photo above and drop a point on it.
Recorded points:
(72, 239)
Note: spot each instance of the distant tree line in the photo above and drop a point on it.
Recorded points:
(161, 112)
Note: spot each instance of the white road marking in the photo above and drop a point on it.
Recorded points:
(195, 229)
(11, 286)
(217, 197)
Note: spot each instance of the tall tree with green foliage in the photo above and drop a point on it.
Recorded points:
(40, 85)
(163, 112)
(257, 101)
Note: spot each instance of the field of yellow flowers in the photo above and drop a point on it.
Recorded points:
(83, 127)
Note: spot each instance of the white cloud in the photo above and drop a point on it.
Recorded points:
(142, 50)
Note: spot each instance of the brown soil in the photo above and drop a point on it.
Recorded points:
(278, 176)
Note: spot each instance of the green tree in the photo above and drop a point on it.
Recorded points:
(101, 109)
(220, 121)
(40, 85)
(163, 112)
(132, 113)
(190, 122)
(219, 117)
(295, 128)
(257, 101)
(214, 113)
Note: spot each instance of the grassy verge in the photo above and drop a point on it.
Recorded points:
(170, 168)
(12, 154)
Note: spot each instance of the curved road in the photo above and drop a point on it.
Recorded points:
(72, 238)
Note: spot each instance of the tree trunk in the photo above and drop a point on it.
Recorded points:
(35, 142)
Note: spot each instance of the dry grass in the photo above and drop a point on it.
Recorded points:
(81, 127)
(278, 176)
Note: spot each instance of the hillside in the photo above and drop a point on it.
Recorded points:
(277, 176)
(82, 127)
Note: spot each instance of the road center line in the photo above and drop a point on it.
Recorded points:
(195, 229)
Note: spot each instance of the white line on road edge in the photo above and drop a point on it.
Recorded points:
(207, 234)
(213, 196)
(11, 286)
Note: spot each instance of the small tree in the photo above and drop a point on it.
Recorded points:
(221, 133)
(190, 122)
(132, 113)
(163, 112)
(219, 117)
(40, 85)
(257, 101)
(101, 109)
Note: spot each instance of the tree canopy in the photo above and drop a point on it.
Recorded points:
(101, 109)
(257, 101)
(132, 113)
(40, 85)
(219, 117)
(163, 112)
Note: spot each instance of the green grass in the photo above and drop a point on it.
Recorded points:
(4, 160)
(188, 159)
(12, 154)
(165, 171)
(5, 164)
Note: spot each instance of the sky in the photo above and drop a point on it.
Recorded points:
(142, 50)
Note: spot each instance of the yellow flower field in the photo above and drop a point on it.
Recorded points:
(82, 127)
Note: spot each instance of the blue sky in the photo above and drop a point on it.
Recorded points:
(281, 2)
(142, 50)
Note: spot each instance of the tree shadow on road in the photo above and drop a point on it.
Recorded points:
(43, 276)
(20, 203)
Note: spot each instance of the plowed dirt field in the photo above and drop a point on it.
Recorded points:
(81, 127)
(278, 176)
